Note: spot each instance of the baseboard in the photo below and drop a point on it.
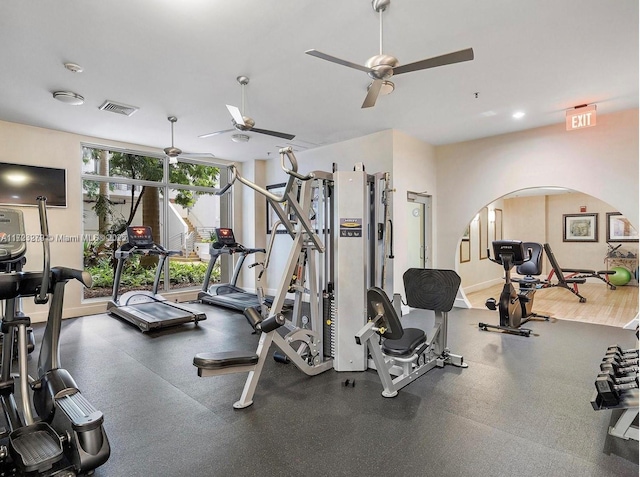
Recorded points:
(483, 285)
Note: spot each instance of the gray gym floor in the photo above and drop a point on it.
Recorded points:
(521, 408)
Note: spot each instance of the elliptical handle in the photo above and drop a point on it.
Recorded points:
(43, 295)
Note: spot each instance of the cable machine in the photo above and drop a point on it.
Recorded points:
(338, 222)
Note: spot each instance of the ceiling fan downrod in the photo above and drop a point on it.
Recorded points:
(380, 6)
(243, 80)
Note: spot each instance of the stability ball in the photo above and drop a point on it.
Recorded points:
(621, 277)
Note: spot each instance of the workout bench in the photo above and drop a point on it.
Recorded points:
(570, 278)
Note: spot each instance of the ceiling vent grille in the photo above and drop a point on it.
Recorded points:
(118, 108)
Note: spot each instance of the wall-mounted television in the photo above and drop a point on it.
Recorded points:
(21, 185)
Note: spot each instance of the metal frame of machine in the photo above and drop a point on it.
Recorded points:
(338, 223)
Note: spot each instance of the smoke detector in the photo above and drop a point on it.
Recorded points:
(240, 138)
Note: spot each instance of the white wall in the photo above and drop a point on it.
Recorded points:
(601, 161)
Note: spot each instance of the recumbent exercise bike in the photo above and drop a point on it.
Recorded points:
(516, 307)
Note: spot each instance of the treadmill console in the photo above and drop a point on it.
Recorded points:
(224, 238)
(140, 236)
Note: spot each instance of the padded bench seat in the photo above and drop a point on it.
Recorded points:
(224, 359)
(590, 272)
(411, 340)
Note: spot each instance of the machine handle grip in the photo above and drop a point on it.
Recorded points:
(64, 273)
(292, 172)
(288, 152)
(225, 188)
(43, 295)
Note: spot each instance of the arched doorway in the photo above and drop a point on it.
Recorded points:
(542, 215)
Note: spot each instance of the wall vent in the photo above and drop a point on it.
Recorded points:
(118, 108)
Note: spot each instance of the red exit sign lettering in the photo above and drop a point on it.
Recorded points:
(580, 118)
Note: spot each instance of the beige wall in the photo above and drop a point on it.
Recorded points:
(44, 147)
(601, 161)
(412, 166)
(589, 255)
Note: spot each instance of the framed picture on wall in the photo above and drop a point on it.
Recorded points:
(465, 250)
(619, 229)
(580, 228)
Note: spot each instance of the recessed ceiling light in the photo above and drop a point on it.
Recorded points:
(518, 115)
(68, 97)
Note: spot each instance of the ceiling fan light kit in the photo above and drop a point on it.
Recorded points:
(240, 138)
(381, 67)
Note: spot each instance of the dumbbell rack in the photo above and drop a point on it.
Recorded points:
(626, 399)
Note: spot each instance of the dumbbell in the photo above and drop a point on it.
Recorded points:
(622, 354)
(617, 369)
(609, 392)
(620, 362)
(619, 379)
(617, 349)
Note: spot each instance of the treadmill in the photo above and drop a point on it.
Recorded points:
(147, 309)
(228, 295)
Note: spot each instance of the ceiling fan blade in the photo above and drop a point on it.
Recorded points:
(216, 133)
(333, 59)
(197, 155)
(273, 133)
(448, 59)
(372, 95)
(236, 115)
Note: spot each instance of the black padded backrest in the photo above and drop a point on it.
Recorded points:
(533, 266)
(553, 261)
(431, 289)
(378, 304)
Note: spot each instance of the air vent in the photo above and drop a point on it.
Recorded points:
(118, 108)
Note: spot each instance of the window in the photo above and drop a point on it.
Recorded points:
(122, 188)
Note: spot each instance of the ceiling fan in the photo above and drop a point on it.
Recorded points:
(174, 152)
(382, 67)
(244, 123)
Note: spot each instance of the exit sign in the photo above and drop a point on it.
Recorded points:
(581, 117)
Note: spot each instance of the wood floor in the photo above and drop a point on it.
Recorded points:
(603, 306)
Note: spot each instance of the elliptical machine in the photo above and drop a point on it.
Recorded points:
(516, 307)
(66, 436)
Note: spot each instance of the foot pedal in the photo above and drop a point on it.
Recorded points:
(36, 447)
(81, 413)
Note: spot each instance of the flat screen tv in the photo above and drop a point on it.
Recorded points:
(21, 185)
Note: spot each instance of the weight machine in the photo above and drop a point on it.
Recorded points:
(405, 354)
(338, 224)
